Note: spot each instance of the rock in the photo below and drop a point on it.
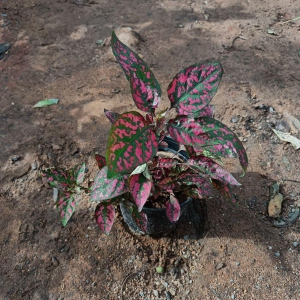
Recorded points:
(295, 244)
(286, 162)
(274, 207)
(168, 296)
(277, 254)
(237, 263)
(293, 122)
(155, 292)
(220, 266)
(235, 119)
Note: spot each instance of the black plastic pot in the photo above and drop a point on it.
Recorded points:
(158, 222)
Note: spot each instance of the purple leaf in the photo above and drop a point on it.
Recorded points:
(112, 116)
(140, 219)
(105, 216)
(214, 170)
(131, 143)
(105, 188)
(210, 134)
(173, 209)
(66, 205)
(225, 190)
(140, 188)
(145, 89)
(101, 161)
(193, 88)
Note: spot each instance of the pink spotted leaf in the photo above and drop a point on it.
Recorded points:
(66, 204)
(194, 193)
(196, 180)
(145, 89)
(140, 188)
(131, 143)
(208, 166)
(173, 209)
(101, 161)
(105, 216)
(61, 179)
(111, 116)
(224, 190)
(140, 218)
(79, 172)
(210, 134)
(107, 188)
(193, 88)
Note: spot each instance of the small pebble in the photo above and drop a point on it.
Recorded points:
(180, 25)
(277, 254)
(168, 296)
(155, 292)
(219, 266)
(34, 166)
(232, 297)
(237, 263)
(295, 244)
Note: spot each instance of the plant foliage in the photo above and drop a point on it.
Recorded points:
(138, 166)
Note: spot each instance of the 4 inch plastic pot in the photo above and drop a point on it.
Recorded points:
(158, 222)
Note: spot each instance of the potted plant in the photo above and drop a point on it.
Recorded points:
(156, 160)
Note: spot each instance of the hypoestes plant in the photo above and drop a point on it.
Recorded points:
(137, 168)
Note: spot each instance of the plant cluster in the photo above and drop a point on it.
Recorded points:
(138, 167)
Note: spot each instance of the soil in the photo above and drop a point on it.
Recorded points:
(60, 49)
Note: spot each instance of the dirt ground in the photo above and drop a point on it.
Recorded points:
(60, 49)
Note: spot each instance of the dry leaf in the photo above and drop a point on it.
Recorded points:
(288, 138)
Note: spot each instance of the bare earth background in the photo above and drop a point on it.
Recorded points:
(60, 49)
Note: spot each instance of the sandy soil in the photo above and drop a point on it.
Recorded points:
(60, 49)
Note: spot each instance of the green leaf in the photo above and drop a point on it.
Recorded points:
(46, 102)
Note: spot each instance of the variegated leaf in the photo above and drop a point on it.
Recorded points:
(140, 188)
(168, 184)
(225, 190)
(193, 88)
(208, 166)
(145, 89)
(197, 180)
(101, 161)
(61, 179)
(107, 188)
(173, 209)
(79, 172)
(66, 205)
(105, 216)
(131, 143)
(208, 133)
(141, 219)
(194, 193)
(111, 116)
